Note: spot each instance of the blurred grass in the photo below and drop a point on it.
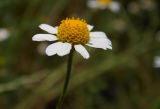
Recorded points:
(123, 78)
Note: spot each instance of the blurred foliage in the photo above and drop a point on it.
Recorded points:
(123, 78)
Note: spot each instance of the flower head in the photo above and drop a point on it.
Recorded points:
(72, 33)
(103, 4)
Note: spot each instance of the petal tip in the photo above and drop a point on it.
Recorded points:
(49, 54)
(90, 27)
(110, 47)
(40, 26)
(86, 57)
(34, 38)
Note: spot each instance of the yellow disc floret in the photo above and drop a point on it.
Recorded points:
(74, 31)
(104, 2)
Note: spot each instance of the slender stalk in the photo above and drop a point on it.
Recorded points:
(69, 67)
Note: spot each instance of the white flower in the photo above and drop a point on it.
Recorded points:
(72, 33)
(4, 34)
(157, 62)
(103, 4)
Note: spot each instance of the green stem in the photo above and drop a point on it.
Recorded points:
(69, 67)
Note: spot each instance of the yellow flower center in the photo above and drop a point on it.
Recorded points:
(104, 2)
(74, 31)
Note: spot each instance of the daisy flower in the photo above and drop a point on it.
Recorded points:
(103, 4)
(72, 33)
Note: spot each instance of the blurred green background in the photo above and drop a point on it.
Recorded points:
(122, 78)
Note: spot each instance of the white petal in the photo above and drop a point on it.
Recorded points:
(44, 37)
(52, 49)
(99, 40)
(101, 45)
(58, 48)
(80, 49)
(90, 27)
(99, 35)
(64, 49)
(48, 28)
(114, 6)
